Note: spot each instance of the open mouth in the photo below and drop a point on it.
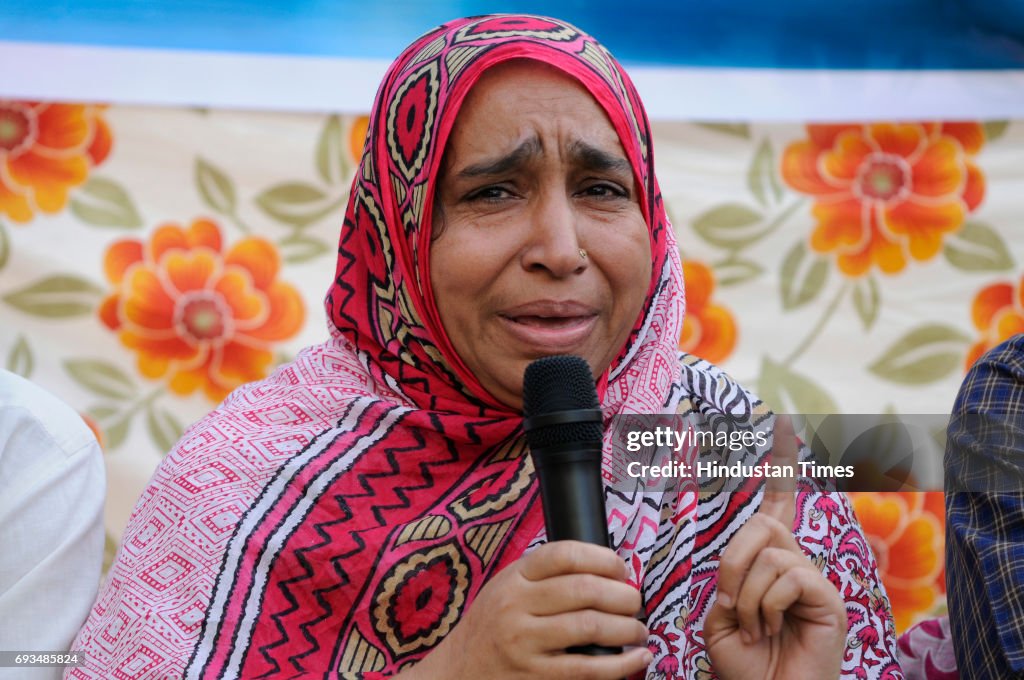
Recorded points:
(550, 334)
(552, 322)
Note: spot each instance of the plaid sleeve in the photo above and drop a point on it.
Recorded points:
(985, 516)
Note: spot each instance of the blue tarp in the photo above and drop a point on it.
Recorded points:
(843, 34)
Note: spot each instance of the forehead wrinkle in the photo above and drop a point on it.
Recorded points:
(518, 157)
(580, 153)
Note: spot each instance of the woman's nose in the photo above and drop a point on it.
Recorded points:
(553, 243)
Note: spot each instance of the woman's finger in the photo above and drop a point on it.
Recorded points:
(768, 567)
(780, 492)
(574, 629)
(758, 533)
(573, 592)
(802, 591)
(610, 667)
(572, 557)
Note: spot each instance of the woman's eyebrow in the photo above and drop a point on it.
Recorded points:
(516, 158)
(591, 157)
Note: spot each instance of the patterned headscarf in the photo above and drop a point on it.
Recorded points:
(381, 301)
(340, 515)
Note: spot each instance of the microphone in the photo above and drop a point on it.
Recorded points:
(564, 428)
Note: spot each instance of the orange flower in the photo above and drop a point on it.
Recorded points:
(709, 330)
(45, 150)
(357, 137)
(203, 318)
(95, 427)
(906, 533)
(886, 192)
(998, 313)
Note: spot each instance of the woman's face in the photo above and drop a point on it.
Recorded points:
(534, 174)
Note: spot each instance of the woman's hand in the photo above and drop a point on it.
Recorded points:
(562, 594)
(776, 616)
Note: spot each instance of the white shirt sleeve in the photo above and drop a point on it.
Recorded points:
(52, 489)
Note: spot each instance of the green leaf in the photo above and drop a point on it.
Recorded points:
(115, 435)
(59, 296)
(295, 203)
(803, 277)
(164, 429)
(978, 247)
(923, 355)
(5, 246)
(331, 160)
(19, 359)
(102, 412)
(215, 187)
(108, 205)
(786, 391)
(867, 300)
(761, 175)
(292, 193)
(994, 129)
(729, 225)
(734, 271)
(734, 129)
(299, 248)
(101, 377)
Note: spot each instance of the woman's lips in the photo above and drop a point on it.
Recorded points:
(550, 326)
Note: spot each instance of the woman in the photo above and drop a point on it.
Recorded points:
(370, 510)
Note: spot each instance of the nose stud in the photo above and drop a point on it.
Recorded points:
(583, 254)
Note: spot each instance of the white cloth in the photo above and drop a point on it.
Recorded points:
(52, 488)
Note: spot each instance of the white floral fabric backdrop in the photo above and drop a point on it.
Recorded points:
(152, 259)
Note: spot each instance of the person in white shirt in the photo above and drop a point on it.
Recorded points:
(52, 488)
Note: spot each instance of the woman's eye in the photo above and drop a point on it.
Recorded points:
(605, 190)
(491, 193)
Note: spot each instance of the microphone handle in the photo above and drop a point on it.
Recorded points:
(572, 495)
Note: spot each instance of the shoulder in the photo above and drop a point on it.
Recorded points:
(707, 389)
(49, 458)
(262, 424)
(1009, 353)
(31, 416)
(995, 381)
(985, 434)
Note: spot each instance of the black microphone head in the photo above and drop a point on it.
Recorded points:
(555, 384)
